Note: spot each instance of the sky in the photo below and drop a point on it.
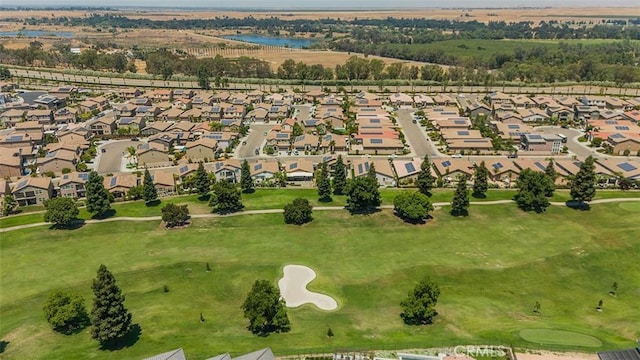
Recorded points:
(328, 4)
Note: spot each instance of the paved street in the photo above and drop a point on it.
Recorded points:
(110, 161)
(254, 140)
(575, 147)
(414, 135)
(303, 111)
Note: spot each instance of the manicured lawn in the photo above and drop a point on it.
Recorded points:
(491, 266)
(278, 198)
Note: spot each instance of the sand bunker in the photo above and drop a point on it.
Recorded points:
(293, 287)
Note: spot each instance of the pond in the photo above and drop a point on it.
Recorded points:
(35, 33)
(297, 43)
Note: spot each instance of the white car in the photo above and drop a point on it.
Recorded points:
(457, 156)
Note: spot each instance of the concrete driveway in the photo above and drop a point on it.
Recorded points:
(575, 147)
(255, 139)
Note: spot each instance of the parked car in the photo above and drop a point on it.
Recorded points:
(457, 156)
(135, 139)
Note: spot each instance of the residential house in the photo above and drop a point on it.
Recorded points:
(63, 92)
(280, 140)
(170, 139)
(171, 114)
(126, 109)
(66, 115)
(21, 140)
(105, 125)
(11, 117)
(5, 189)
(149, 112)
(498, 98)
(461, 123)
(422, 100)
(229, 170)
(561, 113)
(56, 161)
(400, 99)
(503, 170)
(476, 108)
(383, 170)
(89, 106)
(48, 102)
(152, 154)
(332, 143)
(164, 182)
(201, 149)
(625, 168)
(313, 95)
(32, 191)
(212, 113)
(29, 126)
(381, 145)
(130, 93)
(592, 100)
(194, 114)
(182, 103)
(523, 102)
(11, 162)
(75, 136)
(201, 100)
(306, 142)
(632, 115)
(223, 138)
(257, 115)
(72, 185)
(43, 116)
(541, 142)
(621, 143)
(568, 101)
(119, 184)
(444, 100)
(407, 170)
(533, 115)
(523, 163)
(299, 170)
(134, 124)
(162, 95)
(511, 132)
(233, 112)
(255, 96)
(263, 170)
(450, 169)
(181, 126)
(141, 101)
(155, 127)
(183, 93)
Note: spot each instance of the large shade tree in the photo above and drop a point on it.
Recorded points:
(265, 309)
(97, 195)
(110, 319)
(583, 184)
(419, 308)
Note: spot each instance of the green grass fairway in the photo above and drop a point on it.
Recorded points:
(559, 337)
(631, 206)
(492, 266)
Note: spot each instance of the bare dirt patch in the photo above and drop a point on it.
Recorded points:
(546, 355)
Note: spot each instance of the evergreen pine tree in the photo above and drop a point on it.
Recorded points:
(339, 177)
(372, 172)
(111, 321)
(203, 183)
(480, 181)
(583, 185)
(246, 181)
(552, 175)
(323, 183)
(425, 179)
(460, 202)
(149, 192)
(97, 195)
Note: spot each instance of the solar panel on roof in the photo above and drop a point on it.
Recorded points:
(366, 166)
(410, 168)
(460, 121)
(535, 136)
(22, 183)
(463, 133)
(15, 138)
(540, 166)
(627, 167)
(282, 135)
(360, 169)
(498, 165)
(300, 138)
(219, 165)
(293, 165)
(375, 121)
(184, 169)
(83, 176)
(622, 128)
(258, 167)
(376, 141)
(513, 126)
(610, 122)
(113, 182)
(616, 136)
(51, 154)
(446, 163)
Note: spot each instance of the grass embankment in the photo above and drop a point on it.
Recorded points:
(491, 266)
(278, 198)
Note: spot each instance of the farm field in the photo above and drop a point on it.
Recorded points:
(491, 267)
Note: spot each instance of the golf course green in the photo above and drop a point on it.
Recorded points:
(491, 266)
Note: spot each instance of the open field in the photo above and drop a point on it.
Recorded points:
(478, 14)
(491, 267)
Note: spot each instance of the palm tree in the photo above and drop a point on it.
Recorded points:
(131, 153)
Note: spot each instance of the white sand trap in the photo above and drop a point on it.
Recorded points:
(293, 287)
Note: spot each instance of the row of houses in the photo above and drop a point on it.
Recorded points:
(36, 190)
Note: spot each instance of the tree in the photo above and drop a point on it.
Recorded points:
(583, 184)
(419, 306)
(297, 130)
(131, 153)
(551, 173)
(149, 192)
(203, 77)
(61, 211)
(97, 195)
(425, 179)
(298, 212)
(10, 204)
(110, 319)
(135, 193)
(480, 181)
(265, 309)
(4, 73)
(65, 312)
(202, 182)
(460, 202)
(413, 207)
(533, 189)
(339, 177)
(175, 215)
(226, 198)
(323, 183)
(362, 194)
(246, 181)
